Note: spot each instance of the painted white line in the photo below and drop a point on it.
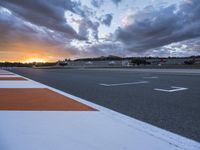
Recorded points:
(151, 77)
(174, 89)
(20, 84)
(2, 76)
(120, 84)
(103, 129)
(4, 71)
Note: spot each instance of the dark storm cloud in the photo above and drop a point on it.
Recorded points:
(42, 23)
(83, 11)
(97, 3)
(12, 29)
(152, 28)
(85, 26)
(180, 49)
(104, 49)
(106, 19)
(116, 1)
(15, 34)
(45, 13)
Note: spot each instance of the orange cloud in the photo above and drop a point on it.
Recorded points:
(29, 52)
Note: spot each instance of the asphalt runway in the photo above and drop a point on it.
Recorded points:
(169, 100)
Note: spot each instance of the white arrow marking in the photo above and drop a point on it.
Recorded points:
(119, 84)
(174, 89)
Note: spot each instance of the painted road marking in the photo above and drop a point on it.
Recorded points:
(83, 130)
(20, 84)
(11, 78)
(174, 89)
(38, 99)
(154, 77)
(120, 84)
(6, 74)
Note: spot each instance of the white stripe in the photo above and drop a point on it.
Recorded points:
(174, 89)
(2, 76)
(151, 77)
(120, 84)
(20, 84)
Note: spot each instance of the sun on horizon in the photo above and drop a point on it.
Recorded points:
(37, 60)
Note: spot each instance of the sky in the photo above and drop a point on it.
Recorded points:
(51, 30)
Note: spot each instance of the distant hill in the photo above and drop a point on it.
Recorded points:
(112, 57)
(18, 64)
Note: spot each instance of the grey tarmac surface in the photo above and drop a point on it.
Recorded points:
(132, 92)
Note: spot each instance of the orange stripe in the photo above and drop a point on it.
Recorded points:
(38, 99)
(11, 78)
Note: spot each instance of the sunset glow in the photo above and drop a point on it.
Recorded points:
(37, 60)
(50, 31)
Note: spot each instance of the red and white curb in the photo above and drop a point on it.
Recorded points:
(77, 124)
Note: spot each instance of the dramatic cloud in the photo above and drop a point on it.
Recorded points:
(103, 49)
(41, 28)
(85, 26)
(116, 1)
(97, 3)
(56, 29)
(106, 19)
(179, 49)
(152, 28)
(45, 13)
(23, 40)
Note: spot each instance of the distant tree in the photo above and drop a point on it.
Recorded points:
(139, 61)
(189, 62)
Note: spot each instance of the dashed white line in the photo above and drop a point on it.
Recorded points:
(120, 84)
(151, 77)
